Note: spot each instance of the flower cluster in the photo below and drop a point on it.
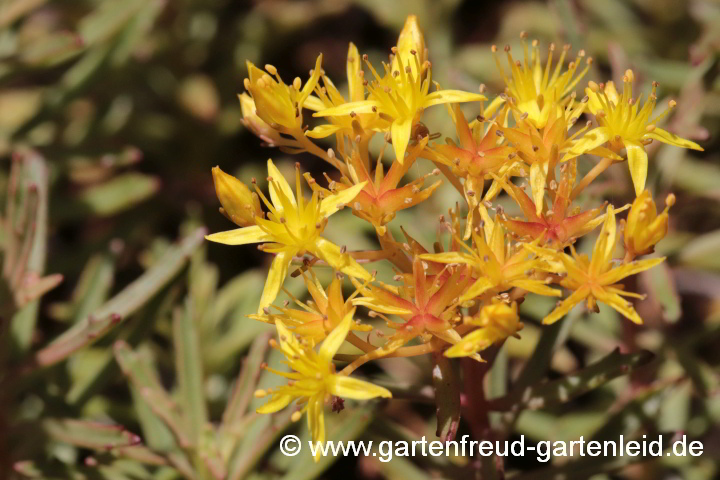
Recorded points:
(462, 296)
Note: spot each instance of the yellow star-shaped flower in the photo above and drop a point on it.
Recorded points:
(313, 379)
(596, 280)
(624, 124)
(293, 227)
(402, 94)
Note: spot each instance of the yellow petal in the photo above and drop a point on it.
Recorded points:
(410, 39)
(400, 132)
(451, 96)
(354, 66)
(605, 244)
(278, 181)
(618, 304)
(638, 163)
(332, 203)
(276, 403)
(314, 103)
(493, 106)
(328, 251)
(240, 236)
(447, 257)
(590, 141)
(347, 387)
(335, 338)
(480, 286)
(538, 179)
(380, 306)
(322, 131)
(566, 305)
(288, 343)
(632, 268)
(364, 106)
(316, 421)
(276, 277)
(536, 286)
(671, 139)
(475, 341)
(312, 81)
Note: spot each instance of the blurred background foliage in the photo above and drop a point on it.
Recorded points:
(112, 114)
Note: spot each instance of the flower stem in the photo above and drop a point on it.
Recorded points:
(310, 147)
(599, 168)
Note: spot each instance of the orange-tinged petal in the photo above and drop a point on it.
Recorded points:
(524, 229)
(463, 130)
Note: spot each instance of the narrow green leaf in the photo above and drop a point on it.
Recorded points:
(542, 395)
(35, 172)
(246, 381)
(188, 365)
(145, 382)
(94, 435)
(128, 301)
(209, 452)
(104, 368)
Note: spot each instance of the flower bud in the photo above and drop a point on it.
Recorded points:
(645, 227)
(256, 124)
(238, 203)
(278, 104)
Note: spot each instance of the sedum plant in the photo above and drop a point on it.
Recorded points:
(459, 297)
(126, 356)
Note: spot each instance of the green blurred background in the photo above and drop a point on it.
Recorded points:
(132, 102)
